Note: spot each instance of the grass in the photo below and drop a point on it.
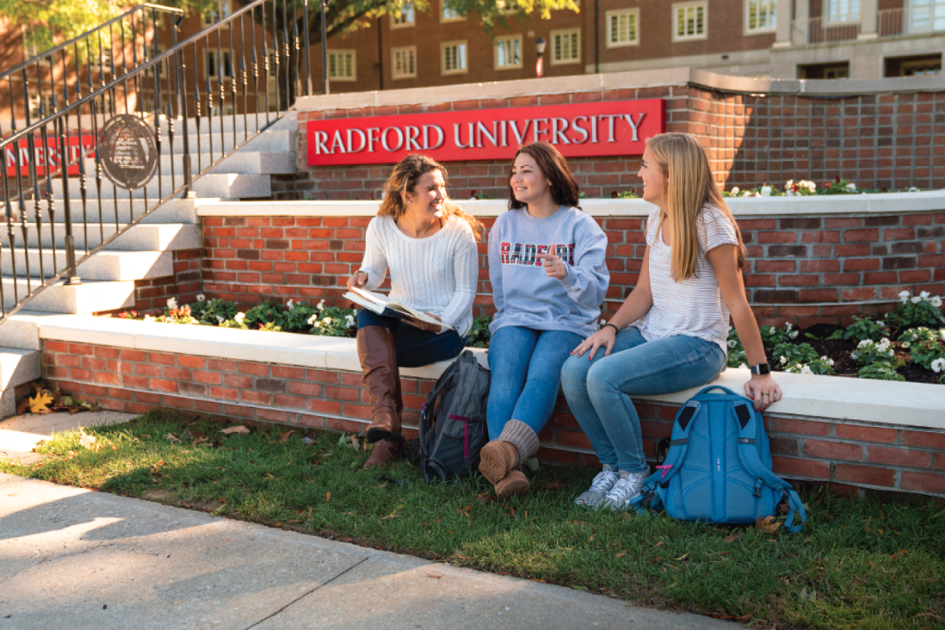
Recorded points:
(857, 565)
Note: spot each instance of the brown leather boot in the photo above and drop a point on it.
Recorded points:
(497, 459)
(385, 452)
(378, 355)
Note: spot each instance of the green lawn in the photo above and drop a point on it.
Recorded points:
(857, 565)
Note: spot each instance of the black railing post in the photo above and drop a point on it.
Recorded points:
(181, 80)
(308, 69)
(325, 86)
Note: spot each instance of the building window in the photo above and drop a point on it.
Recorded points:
(404, 62)
(402, 17)
(927, 15)
(689, 21)
(622, 28)
(30, 48)
(213, 16)
(342, 65)
(103, 65)
(453, 58)
(217, 64)
(36, 100)
(507, 7)
(565, 47)
(448, 14)
(761, 16)
(834, 70)
(913, 66)
(843, 10)
(508, 52)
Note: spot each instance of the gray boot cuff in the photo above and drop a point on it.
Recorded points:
(522, 437)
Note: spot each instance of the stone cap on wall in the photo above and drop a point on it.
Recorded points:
(824, 397)
(875, 203)
(620, 80)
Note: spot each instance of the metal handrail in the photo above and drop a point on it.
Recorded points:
(160, 83)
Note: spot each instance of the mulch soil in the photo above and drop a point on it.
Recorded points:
(839, 350)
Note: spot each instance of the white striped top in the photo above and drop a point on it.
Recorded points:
(695, 306)
(436, 274)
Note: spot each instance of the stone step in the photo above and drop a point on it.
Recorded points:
(17, 366)
(141, 237)
(22, 329)
(228, 123)
(89, 297)
(241, 162)
(174, 211)
(269, 140)
(105, 265)
(224, 186)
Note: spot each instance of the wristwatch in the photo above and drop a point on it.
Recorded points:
(761, 369)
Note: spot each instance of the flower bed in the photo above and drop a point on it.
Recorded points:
(908, 344)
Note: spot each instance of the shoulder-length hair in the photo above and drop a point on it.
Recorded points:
(691, 187)
(564, 188)
(403, 179)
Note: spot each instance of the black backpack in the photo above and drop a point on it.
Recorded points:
(453, 420)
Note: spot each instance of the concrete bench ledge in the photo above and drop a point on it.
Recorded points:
(824, 397)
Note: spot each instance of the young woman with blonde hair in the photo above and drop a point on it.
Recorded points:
(670, 333)
(429, 246)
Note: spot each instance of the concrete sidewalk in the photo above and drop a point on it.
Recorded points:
(75, 559)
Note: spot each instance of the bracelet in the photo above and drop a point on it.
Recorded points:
(614, 326)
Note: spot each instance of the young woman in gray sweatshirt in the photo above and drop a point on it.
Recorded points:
(549, 277)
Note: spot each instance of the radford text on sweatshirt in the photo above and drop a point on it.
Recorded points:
(523, 292)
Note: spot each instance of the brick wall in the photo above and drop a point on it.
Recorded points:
(890, 141)
(806, 270)
(184, 285)
(136, 381)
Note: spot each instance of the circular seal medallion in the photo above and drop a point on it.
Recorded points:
(128, 151)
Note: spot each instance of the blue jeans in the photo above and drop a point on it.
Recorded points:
(599, 391)
(526, 373)
(415, 347)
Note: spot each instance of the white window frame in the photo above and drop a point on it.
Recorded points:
(503, 4)
(772, 7)
(219, 62)
(35, 101)
(448, 15)
(159, 68)
(340, 54)
(105, 63)
(408, 50)
(222, 11)
(575, 32)
(848, 16)
(405, 17)
(465, 57)
(684, 6)
(932, 10)
(635, 14)
(499, 41)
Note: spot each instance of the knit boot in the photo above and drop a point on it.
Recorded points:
(378, 355)
(501, 459)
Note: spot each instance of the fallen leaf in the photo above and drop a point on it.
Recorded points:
(658, 544)
(172, 438)
(485, 497)
(732, 538)
(237, 429)
(899, 554)
(40, 402)
(434, 576)
(554, 485)
(682, 557)
(327, 497)
(767, 524)
(579, 587)
(23, 406)
(283, 437)
(743, 618)
(622, 553)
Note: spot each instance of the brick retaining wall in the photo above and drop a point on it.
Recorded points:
(135, 381)
(803, 269)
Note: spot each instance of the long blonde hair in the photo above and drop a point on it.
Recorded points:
(685, 165)
(403, 179)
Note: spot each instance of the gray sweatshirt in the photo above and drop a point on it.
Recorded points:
(524, 294)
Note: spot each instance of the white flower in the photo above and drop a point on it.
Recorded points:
(201, 297)
(865, 342)
(938, 365)
(851, 186)
(327, 321)
(766, 191)
(924, 295)
(936, 301)
(793, 334)
(735, 190)
(731, 343)
(313, 320)
(789, 192)
(239, 318)
(941, 334)
(788, 326)
(783, 360)
(788, 184)
(289, 304)
(880, 322)
(915, 299)
(912, 189)
(172, 303)
(349, 321)
(903, 296)
(854, 355)
(321, 305)
(148, 319)
(905, 344)
(806, 370)
(220, 320)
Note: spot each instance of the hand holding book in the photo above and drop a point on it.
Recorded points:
(378, 302)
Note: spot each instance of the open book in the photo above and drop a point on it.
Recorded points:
(377, 302)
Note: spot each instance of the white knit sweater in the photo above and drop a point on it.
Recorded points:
(436, 274)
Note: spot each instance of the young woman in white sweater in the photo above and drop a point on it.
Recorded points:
(429, 247)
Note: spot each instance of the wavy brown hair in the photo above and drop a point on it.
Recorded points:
(403, 179)
(564, 188)
(685, 165)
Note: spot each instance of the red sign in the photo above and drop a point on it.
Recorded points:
(51, 155)
(586, 129)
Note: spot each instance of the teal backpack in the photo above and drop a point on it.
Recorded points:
(718, 467)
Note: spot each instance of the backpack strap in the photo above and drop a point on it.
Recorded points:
(748, 452)
(651, 491)
(428, 408)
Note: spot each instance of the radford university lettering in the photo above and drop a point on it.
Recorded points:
(581, 130)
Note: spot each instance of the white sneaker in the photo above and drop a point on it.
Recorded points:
(627, 487)
(601, 485)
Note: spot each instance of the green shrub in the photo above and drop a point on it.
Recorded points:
(880, 371)
(479, 335)
(917, 310)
